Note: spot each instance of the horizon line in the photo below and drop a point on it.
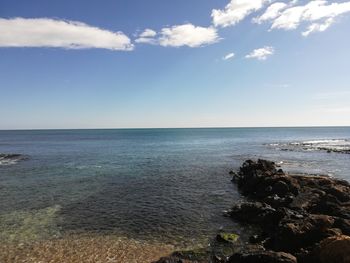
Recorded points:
(200, 127)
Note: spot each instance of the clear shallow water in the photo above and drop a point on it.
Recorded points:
(166, 185)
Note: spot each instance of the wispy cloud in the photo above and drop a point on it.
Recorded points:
(45, 32)
(229, 56)
(261, 53)
(318, 27)
(235, 11)
(271, 12)
(319, 13)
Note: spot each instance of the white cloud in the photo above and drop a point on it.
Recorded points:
(45, 32)
(229, 56)
(147, 37)
(148, 33)
(318, 27)
(261, 53)
(146, 40)
(271, 12)
(187, 35)
(318, 12)
(235, 11)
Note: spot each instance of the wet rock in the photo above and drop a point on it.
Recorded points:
(295, 212)
(254, 213)
(227, 237)
(297, 218)
(262, 257)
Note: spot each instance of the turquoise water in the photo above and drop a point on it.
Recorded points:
(161, 184)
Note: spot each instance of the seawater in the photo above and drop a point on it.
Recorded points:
(155, 185)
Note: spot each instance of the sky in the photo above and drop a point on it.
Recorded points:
(149, 64)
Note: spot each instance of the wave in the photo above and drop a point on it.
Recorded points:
(11, 159)
(328, 145)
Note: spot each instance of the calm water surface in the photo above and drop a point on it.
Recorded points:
(166, 185)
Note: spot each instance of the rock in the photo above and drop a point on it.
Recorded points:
(343, 225)
(255, 213)
(7, 159)
(280, 188)
(293, 234)
(335, 249)
(194, 255)
(295, 212)
(227, 237)
(262, 257)
(169, 260)
(298, 218)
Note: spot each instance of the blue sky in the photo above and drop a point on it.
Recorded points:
(288, 63)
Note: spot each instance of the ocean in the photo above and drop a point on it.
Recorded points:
(167, 186)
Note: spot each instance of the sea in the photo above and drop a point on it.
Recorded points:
(152, 186)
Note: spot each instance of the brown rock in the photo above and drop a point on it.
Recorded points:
(262, 256)
(335, 249)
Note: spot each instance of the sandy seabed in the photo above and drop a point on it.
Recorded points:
(77, 249)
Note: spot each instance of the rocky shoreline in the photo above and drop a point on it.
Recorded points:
(296, 219)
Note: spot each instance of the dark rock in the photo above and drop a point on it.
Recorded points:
(169, 260)
(11, 158)
(255, 213)
(280, 188)
(306, 216)
(297, 212)
(293, 234)
(262, 257)
(343, 225)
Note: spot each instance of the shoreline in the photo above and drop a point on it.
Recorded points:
(288, 218)
(297, 219)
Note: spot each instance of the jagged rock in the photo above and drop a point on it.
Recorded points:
(297, 212)
(280, 188)
(255, 213)
(293, 234)
(299, 218)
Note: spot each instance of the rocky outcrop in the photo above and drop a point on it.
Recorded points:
(7, 159)
(301, 215)
(298, 219)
